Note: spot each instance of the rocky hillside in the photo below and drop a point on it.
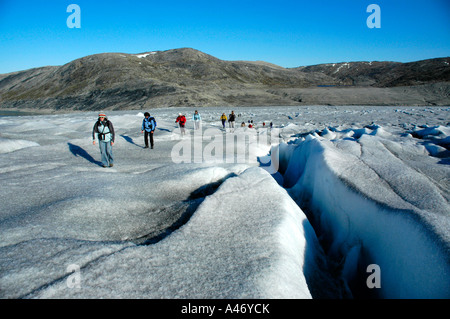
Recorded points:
(385, 74)
(187, 77)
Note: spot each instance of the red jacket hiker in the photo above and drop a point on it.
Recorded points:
(181, 119)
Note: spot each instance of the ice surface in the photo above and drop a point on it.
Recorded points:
(200, 216)
(379, 197)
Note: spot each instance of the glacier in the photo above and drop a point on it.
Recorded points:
(334, 191)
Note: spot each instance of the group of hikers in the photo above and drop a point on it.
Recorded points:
(231, 120)
(104, 130)
(181, 120)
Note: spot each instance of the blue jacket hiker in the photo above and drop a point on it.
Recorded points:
(148, 127)
(197, 119)
(104, 130)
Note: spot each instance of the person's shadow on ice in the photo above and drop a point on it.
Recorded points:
(78, 151)
(130, 140)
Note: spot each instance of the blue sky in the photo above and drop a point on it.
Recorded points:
(287, 33)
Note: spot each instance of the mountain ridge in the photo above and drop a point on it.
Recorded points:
(188, 77)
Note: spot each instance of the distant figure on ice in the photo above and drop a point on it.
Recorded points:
(223, 118)
(148, 126)
(104, 130)
(181, 120)
(231, 120)
(197, 120)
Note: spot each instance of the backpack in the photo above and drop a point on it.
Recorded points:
(152, 119)
(102, 135)
(151, 123)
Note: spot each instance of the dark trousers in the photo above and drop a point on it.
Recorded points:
(146, 134)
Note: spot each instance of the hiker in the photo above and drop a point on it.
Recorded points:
(231, 120)
(224, 119)
(181, 120)
(197, 118)
(104, 130)
(148, 126)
